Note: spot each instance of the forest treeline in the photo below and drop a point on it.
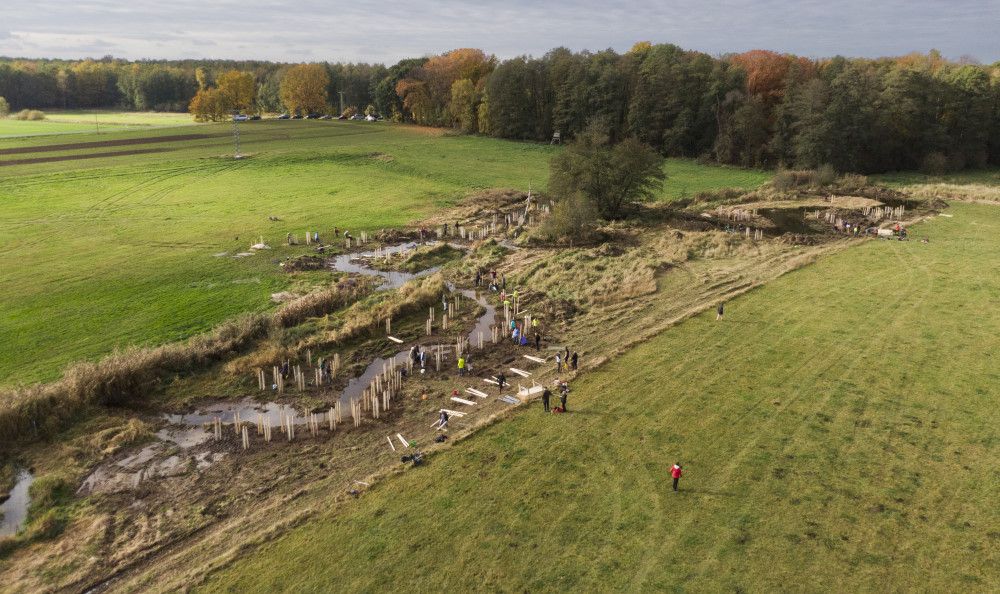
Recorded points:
(759, 108)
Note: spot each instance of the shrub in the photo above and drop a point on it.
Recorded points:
(573, 216)
(783, 180)
(4, 107)
(934, 164)
(36, 115)
(22, 115)
(853, 182)
(825, 175)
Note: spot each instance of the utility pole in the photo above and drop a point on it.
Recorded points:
(236, 134)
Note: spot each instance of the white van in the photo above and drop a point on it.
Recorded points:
(240, 117)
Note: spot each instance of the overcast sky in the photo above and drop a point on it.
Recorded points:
(387, 31)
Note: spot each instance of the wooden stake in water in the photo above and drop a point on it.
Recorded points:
(246, 439)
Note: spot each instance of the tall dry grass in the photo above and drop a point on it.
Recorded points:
(127, 374)
(413, 296)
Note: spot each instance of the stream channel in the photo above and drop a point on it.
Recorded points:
(187, 429)
(15, 509)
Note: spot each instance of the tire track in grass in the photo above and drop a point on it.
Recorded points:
(736, 460)
(840, 358)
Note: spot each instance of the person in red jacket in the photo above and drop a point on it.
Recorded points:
(676, 473)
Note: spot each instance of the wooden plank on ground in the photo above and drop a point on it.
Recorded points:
(457, 399)
(390, 443)
(456, 413)
(520, 372)
(403, 441)
(476, 392)
(396, 340)
(535, 359)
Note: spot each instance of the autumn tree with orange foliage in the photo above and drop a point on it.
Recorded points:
(304, 88)
(430, 96)
(237, 89)
(765, 72)
(207, 106)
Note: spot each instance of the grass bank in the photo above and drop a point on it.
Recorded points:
(837, 431)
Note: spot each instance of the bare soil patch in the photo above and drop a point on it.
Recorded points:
(86, 156)
(103, 144)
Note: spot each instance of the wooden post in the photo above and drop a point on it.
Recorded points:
(388, 326)
(246, 439)
(428, 327)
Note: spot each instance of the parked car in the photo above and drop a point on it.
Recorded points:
(341, 117)
(240, 117)
(357, 116)
(284, 116)
(297, 116)
(326, 117)
(370, 118)
(255, 117)
(312, 116)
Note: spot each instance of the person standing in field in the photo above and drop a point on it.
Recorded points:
(501, 381)
(545, 399)
(676, 473)
(558, 362)
(573, 359)
(461, 365)
(719, 310)
(563, 392)
(538, 341)
(443, 421)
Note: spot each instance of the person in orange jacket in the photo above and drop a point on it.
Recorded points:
(676, 473)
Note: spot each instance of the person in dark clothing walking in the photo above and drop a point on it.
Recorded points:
(719, 317)
(573, 360)
(501, 381)
(538, 342)
(478, 278)
(676, 473)
(545, 399)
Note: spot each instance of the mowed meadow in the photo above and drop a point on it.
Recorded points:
(128, 237)
(117, 238)
(838, 431)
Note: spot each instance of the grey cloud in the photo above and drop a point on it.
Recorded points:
(400, 29)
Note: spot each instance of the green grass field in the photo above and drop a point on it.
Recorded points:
(119, 247)
(897, 179)
(686, 178)
(838, 431)
(90, 120)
